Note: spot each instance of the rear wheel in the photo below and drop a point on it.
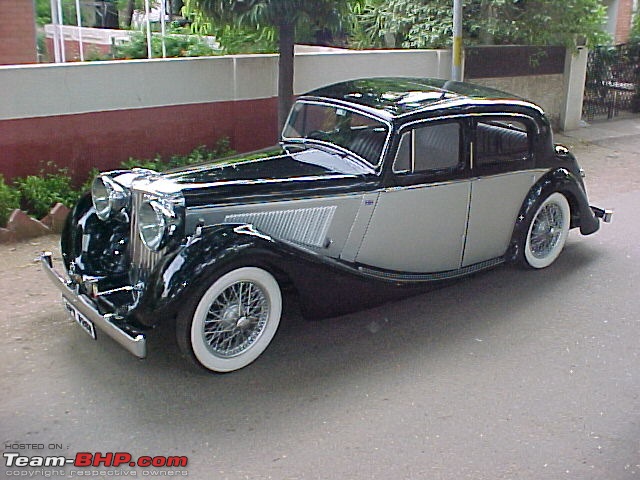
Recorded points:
(547, 231)
(233, 321)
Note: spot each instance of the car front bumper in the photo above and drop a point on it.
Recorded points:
(135, 342)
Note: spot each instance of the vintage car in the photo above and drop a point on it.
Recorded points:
(378, 187)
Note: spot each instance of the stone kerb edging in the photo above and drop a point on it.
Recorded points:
(22, 227)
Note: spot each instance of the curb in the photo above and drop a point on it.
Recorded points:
(21, 226)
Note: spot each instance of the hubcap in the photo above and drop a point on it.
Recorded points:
(235, 319)
(546, 231)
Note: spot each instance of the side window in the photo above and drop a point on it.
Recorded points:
(501, 141)
(402, 163)
(429, 149)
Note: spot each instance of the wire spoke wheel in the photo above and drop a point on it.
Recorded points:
(547, 232)
(234, 320)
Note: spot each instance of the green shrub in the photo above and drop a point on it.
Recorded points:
(9, 201)
(199, 155)
(157, 164)
(235, 40)
(36, 194)
(176, 45)
(40, 193)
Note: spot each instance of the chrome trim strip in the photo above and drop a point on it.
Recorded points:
(431, 277)
(141, 258)
(465, 101)
(136, 345)
(254, 202)
(421, 185)
(470, 115)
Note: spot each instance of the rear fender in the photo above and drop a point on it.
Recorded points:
(558, 180)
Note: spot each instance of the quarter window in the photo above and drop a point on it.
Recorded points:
(501, 141)
(429, 149)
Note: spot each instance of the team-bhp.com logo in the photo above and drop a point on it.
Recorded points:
(88, 459)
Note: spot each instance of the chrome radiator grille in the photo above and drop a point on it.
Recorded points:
(307, 226)
(142, 259)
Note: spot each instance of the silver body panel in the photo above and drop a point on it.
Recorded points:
(495, 203)
(418, 228)
(322, 224)
(359, 228)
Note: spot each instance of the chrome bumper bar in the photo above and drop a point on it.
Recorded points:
(136, 345)
(602, 213)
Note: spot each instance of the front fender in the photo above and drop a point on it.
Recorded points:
(558, 180)
(207, 255)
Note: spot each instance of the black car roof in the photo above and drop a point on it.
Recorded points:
(399, 95)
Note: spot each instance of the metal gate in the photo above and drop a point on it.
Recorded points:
(613, 81)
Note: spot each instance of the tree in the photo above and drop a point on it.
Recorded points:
(428, 23)
(285, 16)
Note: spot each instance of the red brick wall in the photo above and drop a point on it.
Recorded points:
(104, 139)
(623, 21)
(17, 32)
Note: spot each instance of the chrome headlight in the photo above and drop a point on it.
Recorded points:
(152, 224)
(157, 221)
(108, 197)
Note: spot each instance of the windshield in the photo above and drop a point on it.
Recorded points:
(357, 133)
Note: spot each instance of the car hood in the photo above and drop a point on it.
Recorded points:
(279, 171)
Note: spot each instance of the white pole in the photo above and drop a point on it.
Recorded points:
(148, 14)
(56, 32)
(162, 26)
(79, 18)
(456, 61)
(62, 43)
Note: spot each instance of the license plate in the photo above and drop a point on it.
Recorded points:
(84, 322)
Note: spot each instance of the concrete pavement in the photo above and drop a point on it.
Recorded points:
(603, 130)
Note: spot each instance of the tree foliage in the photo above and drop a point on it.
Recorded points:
(429, 24)
(635, 29)
(285, 16)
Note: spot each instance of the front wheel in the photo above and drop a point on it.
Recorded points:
(547, 231)
(233, 321)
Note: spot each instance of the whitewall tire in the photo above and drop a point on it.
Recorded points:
(234, 320)
(547, 231)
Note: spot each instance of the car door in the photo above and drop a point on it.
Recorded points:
(418, 225)
(502, 175)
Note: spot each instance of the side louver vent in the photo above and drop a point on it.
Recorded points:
(307, 226)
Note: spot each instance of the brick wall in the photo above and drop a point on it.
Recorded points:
(17, 32)
(623, 21)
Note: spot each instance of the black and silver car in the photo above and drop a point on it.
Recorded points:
(378, 187)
